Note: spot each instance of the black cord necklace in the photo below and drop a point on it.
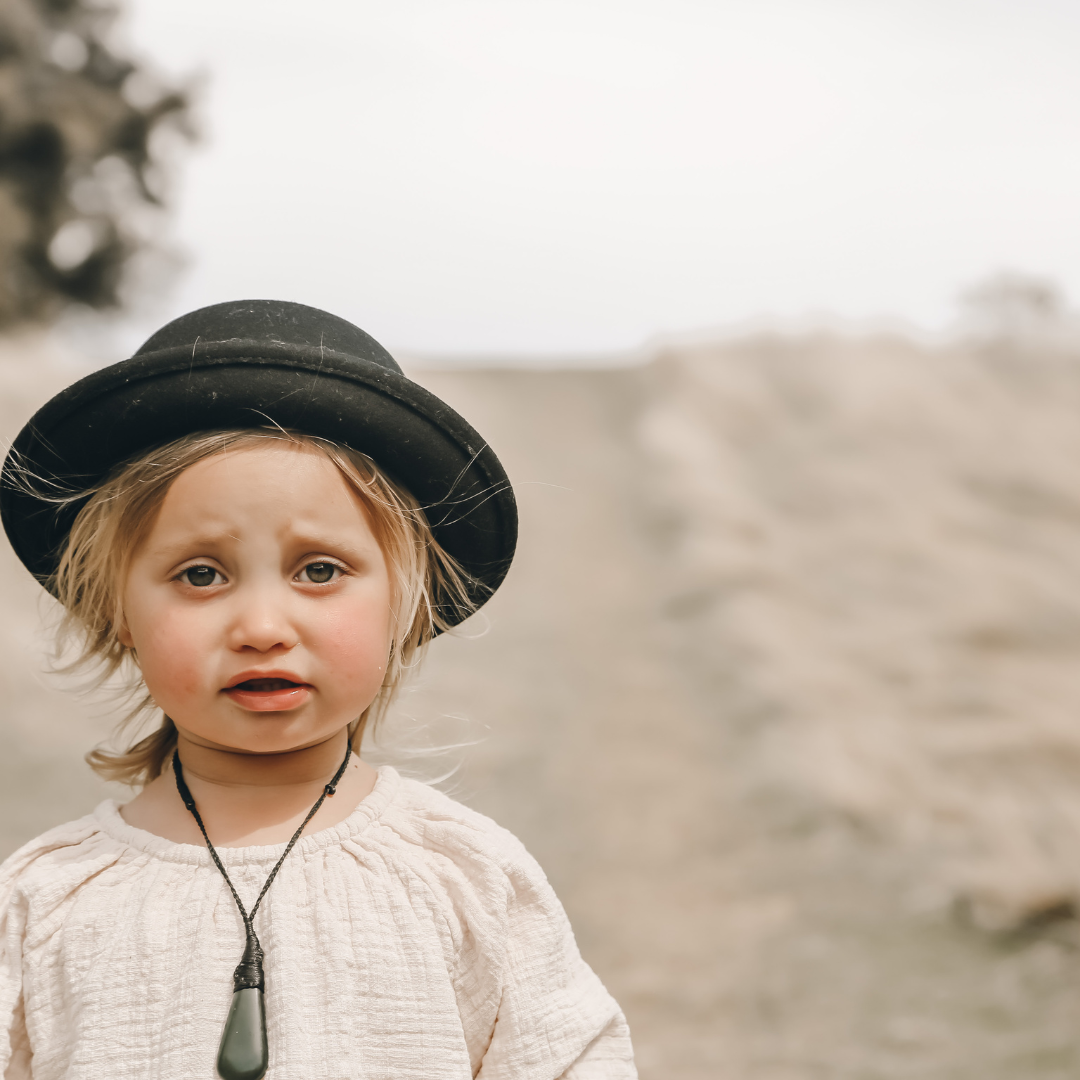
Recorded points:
(243, 1053)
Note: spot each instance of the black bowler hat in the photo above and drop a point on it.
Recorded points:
(255, 363)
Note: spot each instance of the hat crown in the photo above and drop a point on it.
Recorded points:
(271, 321)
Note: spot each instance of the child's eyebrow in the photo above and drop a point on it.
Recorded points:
(299, 540)
(324, 542)
(195, 540)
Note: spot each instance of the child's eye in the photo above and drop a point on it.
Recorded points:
(319, 572)
(200, 576)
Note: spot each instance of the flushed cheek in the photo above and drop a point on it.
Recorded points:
(174, 663)
(352, 649)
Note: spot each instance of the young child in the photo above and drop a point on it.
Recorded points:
(259, 522)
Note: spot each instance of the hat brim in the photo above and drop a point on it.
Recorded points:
(83, 433)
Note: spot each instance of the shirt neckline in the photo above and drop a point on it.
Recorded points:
(370, 808)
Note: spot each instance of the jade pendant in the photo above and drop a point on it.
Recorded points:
(243, 1054)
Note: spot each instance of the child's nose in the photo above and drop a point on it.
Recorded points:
(263, 625)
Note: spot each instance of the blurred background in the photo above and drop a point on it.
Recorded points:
(765, 306)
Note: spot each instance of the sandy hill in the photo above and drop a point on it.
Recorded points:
(782, 691)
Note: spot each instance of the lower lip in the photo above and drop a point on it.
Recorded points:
(291, 697)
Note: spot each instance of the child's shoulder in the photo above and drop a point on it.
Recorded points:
(426, 816)
(61, 851)
(439, 827)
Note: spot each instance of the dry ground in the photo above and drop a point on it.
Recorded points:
(782, 691)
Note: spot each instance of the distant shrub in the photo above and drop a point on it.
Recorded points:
(77, 171)
(1016, 307)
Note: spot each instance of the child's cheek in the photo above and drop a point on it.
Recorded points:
(175, 662)
(354, 645)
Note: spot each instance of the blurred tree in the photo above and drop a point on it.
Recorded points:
(77, 175)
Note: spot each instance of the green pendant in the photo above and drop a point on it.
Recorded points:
(243, 1054)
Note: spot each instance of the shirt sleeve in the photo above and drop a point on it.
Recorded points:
(14, 1043)
(15, 1050)
(18, 1065)
(609, 1056)
(555, 1019)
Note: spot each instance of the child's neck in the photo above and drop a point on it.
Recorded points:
(230, 769)
(250, 799)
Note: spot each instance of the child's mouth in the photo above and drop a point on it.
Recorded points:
(268, 695)
(265, 684)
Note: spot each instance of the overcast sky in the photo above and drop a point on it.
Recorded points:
(574, 176)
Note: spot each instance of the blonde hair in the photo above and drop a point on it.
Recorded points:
(429, 590)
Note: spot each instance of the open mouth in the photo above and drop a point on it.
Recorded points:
(269, 694)
(261, 686)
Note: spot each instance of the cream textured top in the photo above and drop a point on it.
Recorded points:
(414, 939)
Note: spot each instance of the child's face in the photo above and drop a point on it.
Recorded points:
(259, 603)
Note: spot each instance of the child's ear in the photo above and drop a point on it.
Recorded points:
(123, 634)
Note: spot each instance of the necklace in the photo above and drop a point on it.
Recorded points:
(243, 1053)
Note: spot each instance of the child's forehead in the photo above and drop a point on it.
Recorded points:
(283, 492)
(286, 460)
(292, 473)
